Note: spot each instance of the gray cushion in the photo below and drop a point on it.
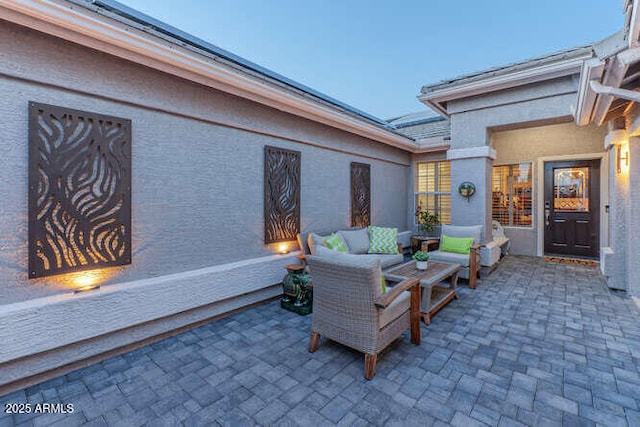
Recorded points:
(451, 257)
(396, 309)
(404, 238)
(357, 240)
(323, 252)
(386, 260)
(315, 240)
(474, 231)
(303, 239)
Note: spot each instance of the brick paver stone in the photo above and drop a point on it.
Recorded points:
(536, 343)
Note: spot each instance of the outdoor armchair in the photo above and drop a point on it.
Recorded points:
(349, 306)
(470, 262)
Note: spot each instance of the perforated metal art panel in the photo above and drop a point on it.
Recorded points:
(360, 194)
(79, 190)
(281, 194)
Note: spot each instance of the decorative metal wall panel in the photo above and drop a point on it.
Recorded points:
(360, 194)
(79, 190)
(281, 194)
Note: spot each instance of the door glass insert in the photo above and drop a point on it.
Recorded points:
(571, 189)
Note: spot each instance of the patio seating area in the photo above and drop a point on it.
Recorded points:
(537, 343)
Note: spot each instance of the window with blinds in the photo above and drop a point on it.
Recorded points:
(511, 197)
(433, 189)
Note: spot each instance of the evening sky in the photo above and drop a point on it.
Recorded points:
(375, 55)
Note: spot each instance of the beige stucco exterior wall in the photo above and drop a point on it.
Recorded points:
(531, 144)
(525, 145)
(473, 119)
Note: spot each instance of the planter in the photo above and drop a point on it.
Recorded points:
(422, 265)
(297, 290)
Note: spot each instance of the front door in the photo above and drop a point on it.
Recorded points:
(572, 208)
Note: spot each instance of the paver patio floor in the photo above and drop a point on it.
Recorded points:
(537, 343)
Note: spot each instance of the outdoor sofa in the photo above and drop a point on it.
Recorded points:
(357, 242)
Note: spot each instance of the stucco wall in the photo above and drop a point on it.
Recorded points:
(615, 256)
(525, 145)
(530, 144)
(521, 124)
(473, 118)
(197, 183)
(471, 211)
(633, 220)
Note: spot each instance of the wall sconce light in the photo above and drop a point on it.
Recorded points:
(622, 161)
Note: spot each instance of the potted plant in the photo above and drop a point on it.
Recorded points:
(421, 258)
(427, 221)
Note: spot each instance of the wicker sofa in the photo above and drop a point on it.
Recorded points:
(357, 241)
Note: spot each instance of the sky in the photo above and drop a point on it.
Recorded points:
(375, 55)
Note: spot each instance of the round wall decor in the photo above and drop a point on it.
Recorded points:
(467, 189)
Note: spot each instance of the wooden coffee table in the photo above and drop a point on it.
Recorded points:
(435, 295)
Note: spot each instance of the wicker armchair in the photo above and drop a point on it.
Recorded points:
(349, 307)
(470, 263)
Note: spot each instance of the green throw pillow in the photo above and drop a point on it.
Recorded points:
(335, 243)
(383, 240)
(459, 245)
(383, 284)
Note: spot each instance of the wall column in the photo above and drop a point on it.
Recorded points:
(632, 217)
(473, 165)
(613, 257)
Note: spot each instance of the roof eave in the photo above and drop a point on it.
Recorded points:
(435, 105)
(433, 148)
(438, 97)
(609, 72)
(615, 69)
(633, 23)
(88, 28)
(592, 70)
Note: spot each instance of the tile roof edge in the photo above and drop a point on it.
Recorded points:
(512, 67)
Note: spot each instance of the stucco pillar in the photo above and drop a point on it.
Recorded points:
(633, 218)
(614, 253)
(477, 170)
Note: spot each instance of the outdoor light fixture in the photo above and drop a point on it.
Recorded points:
(87, 289)
(86, 280)
(283, 248)
(622, 160)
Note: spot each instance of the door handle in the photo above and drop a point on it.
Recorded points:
(547, 212)
(546, 217)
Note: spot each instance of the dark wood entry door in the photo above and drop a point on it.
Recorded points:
(572, 208)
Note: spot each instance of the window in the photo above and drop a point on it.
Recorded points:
(433, 189)
(511, 197)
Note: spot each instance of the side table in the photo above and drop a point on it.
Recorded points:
(424, 243)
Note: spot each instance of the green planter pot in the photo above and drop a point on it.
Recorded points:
(297, 290)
